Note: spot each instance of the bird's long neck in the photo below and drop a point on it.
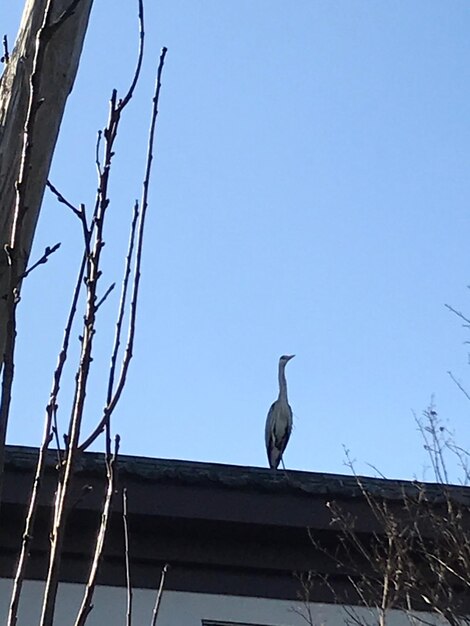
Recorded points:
(282, 382)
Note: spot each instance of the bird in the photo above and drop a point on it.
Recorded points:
(279, 420)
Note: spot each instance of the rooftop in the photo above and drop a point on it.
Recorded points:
(23, 459)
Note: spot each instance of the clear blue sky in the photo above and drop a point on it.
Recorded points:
(311, 195)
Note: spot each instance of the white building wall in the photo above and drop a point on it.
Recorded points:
(179, 609)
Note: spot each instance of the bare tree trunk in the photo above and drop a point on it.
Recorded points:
(56, 77)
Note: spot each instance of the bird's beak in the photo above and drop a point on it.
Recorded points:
(291, 356)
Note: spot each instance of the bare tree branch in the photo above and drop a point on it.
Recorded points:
(93, 274)
(51, 418)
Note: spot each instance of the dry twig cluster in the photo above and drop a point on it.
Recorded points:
(415, 560)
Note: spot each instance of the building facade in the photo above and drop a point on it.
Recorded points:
(241, 543)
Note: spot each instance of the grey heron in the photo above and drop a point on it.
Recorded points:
(279, 420)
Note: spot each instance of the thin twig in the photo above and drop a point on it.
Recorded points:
(120, 317)
(158, 599)
(62, 200)
(43, 259)
(87, 231)
(458, 313)
(106, 294)
(376, 470)
(97, 154)
(111, 405)
(80, 213)
(140, 56)
(460, 386)
(127, 558)
(140, 235)
(87, 605)
(122, 304)
(433, 434)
